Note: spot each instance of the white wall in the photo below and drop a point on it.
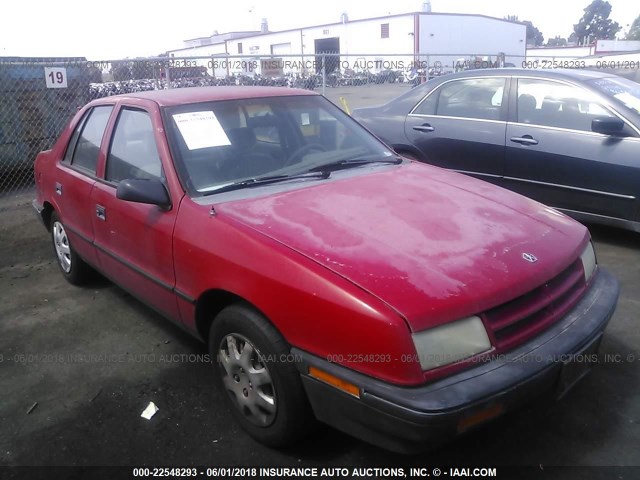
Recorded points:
(209, 51)
(559, 53)
(442, 37)
(361, 45)
(447, 38)
(607, 46)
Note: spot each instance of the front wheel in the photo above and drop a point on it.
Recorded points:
(73, 268)
(259, 379)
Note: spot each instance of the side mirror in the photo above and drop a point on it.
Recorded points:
(138, 190)
(607, 125)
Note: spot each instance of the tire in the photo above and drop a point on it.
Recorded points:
(73, 268)
(264, 392)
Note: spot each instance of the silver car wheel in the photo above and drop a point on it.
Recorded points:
(61, 244)
(247, 379)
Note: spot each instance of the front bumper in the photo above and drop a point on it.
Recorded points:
(410, 420)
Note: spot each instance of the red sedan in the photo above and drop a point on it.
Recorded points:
(332, 279)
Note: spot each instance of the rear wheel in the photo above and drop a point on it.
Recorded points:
(73, 268)
(260, 382)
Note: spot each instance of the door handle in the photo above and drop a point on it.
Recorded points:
(101, 213)
(425, 127)
(525, 140)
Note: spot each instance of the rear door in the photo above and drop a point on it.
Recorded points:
(461, 125)
(76, 178)
(554, 157)
(134, 240)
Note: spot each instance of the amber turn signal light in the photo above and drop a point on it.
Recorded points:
(334, 381)
(480, 417)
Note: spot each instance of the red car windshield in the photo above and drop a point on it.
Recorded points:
(219, 143)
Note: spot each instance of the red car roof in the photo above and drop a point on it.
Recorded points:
(181, 96)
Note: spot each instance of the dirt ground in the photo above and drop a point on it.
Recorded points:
(91, 359)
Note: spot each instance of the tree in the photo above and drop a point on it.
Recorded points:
(94, 74)
(120, 71)
(634, 31)
(534, 36)
(595, 24)
(141, 69)
(557, 41)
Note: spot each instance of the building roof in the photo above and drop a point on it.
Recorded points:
(259, 34)
(225, 36)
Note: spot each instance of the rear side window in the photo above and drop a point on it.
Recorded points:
(479, 98)
(133, 152)
(87, 148)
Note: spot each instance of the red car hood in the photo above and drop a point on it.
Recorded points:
(435, 245)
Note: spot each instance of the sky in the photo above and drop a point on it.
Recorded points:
(114, 29)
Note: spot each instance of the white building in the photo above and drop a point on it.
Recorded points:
(393, 42)
(600, 47)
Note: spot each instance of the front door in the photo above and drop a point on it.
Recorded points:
(134, 240)
(554, 157)
(461, 126)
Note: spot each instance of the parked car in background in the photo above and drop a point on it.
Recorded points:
(567, 138)
(331, 278)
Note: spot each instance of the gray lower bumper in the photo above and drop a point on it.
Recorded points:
(414, 419)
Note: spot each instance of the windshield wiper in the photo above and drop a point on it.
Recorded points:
(257, 181)
(354, 162)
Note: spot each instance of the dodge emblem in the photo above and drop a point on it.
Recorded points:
(530, 257)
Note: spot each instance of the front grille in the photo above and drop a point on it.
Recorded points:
(520, 319)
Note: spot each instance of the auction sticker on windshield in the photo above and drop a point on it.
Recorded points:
(201, 130)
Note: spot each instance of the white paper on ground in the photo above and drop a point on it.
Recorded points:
(201, 130)
(150, 411)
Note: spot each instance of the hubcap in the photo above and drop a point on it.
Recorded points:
(61, 244)
(247, 379)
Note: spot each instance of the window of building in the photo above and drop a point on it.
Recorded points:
(384, 30)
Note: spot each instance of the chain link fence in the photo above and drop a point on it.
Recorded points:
(38, 96)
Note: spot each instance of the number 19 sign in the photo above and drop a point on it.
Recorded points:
(56, 77)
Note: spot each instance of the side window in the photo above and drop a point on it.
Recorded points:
(553, 104)
(73, 141)
(429, 104)
(479, 98)
(133, 152)
(87, 149)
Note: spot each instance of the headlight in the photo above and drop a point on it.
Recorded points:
(451, 342)
(588, 258)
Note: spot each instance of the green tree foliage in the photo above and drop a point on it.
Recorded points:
(95, 74)
(121, 71)
(634, 31)
(595, 24)
(141, 69)
(557, 41)
(534, 36)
